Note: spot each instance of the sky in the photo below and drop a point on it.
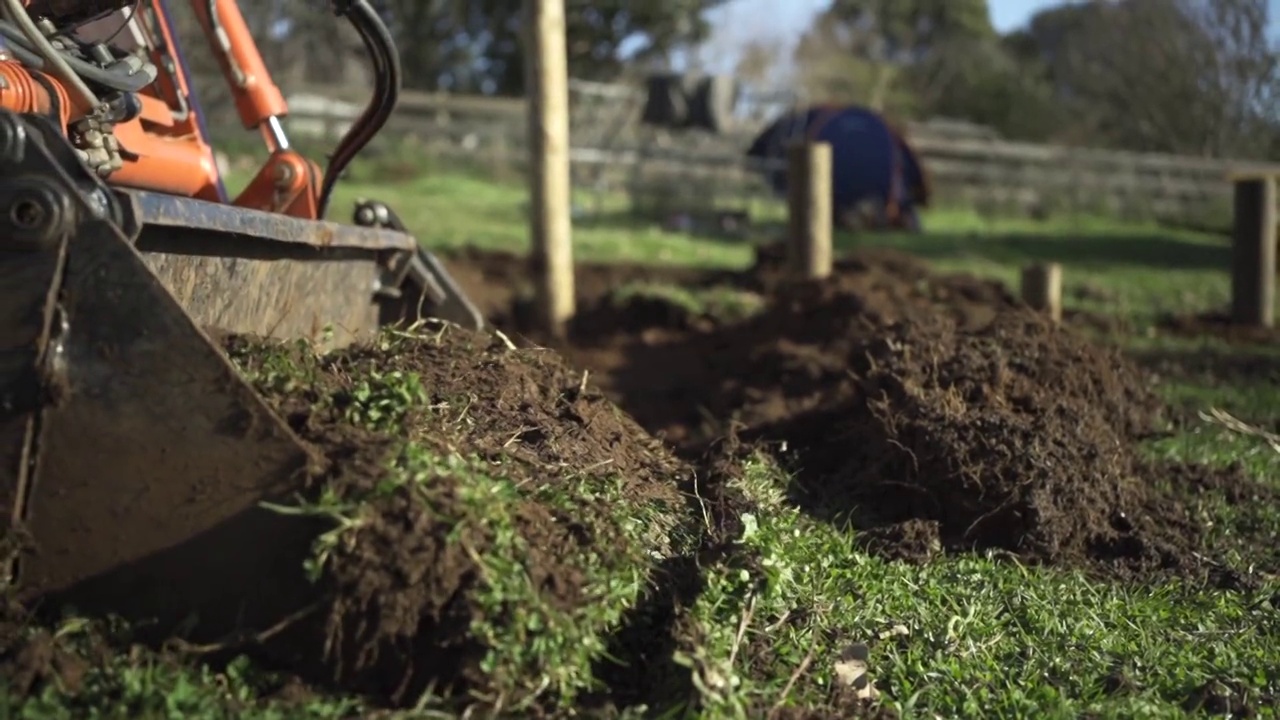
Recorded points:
(782, 21)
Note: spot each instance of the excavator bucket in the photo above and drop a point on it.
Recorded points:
(135, 458)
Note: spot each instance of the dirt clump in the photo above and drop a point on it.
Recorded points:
(453, 458)
(1011, 437)
(31, 659)
(79, 667)
(480, 509)
(1228, 699)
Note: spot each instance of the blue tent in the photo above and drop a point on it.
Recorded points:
(870, 161)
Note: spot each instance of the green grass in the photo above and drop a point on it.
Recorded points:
(142, 687)
(1136, 270)
(452, 211)
(962, 637)
(722, 303)
(958, 637)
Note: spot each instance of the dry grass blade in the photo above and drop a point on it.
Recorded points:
(1236, 425)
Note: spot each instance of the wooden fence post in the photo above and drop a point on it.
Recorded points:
(1253, 254)
(1042, 289)
(549, 185)
(809, 209)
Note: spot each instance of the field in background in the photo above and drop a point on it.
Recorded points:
(1147, 269)
(969, 165)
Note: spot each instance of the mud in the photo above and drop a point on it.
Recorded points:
(31, 659)
(936, 413)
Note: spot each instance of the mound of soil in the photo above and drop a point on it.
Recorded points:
(935, 412)
(439, 454)
(401, 587)
(941, 414)
(1012, 436)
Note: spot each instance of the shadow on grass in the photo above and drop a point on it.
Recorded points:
(640, 666)
(1240, 380)
(703, 226)
(1109, 250)
(1086, 248)
(1213, 366)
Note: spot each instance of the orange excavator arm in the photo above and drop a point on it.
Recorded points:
(155, 138)
(288, 182)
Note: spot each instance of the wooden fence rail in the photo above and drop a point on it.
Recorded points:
(997, 176)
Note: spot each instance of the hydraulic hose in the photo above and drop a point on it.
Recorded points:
(22, 48)
(57, 64)
(388, 80)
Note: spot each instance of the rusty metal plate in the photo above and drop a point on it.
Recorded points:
(251, 272)
(197, 218)
(150, 474)
(330, 302)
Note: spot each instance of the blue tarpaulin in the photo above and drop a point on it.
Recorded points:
(871, 162)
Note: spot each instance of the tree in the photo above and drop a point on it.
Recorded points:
(979, 80)
(871, 43)
(475, 45)
(830, 69)
(757, 62)
(903, 31)
(1179, 76)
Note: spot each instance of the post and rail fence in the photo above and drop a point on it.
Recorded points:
(993, 176)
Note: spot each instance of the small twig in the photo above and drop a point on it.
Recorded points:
(241, 638)
(702, 504)
(742, 628)
(782, 620)
(582, 386)
(505, 340)
(1236, 425)
(590, 469)
(515, 437)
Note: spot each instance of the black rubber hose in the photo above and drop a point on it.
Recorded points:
(386, 92)
(21, 48)
(387, 83)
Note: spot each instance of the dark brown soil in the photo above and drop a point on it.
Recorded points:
(31, 659)
(400, 599)
(83, 666)
(935, 413)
